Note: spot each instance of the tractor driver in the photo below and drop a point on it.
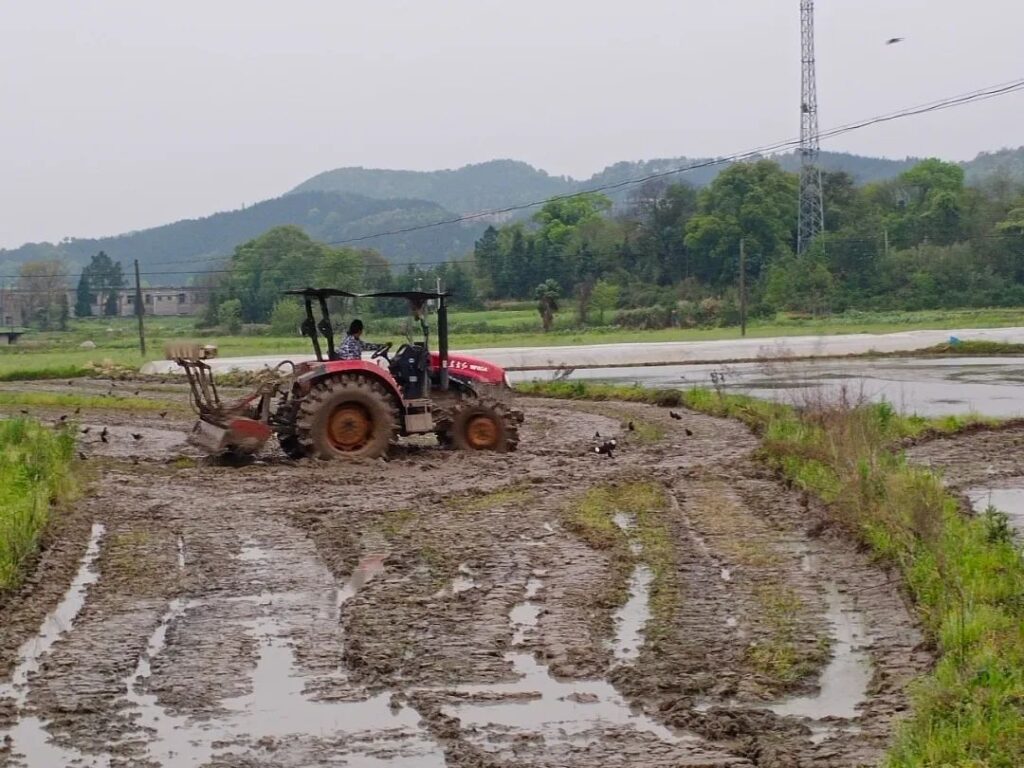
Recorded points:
(353, 346)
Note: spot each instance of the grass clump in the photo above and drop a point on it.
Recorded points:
(515, 494)
(35, 473)
(97, 402)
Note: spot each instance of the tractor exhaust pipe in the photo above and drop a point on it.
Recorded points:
(442, 341)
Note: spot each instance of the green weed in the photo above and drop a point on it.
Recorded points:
(35, 473)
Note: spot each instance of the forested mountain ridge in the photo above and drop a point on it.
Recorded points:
(502, 183)
(199, 244)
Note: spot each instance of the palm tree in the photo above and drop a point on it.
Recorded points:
(547, 294)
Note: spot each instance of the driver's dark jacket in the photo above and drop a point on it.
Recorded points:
(352, 348)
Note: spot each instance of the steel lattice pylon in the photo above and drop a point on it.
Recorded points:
(812, 207)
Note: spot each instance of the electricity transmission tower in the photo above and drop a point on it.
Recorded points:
(812, 206)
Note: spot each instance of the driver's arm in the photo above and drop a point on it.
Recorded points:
(369, 346)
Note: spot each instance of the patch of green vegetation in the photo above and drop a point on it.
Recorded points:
(35, 474)
(592, 518)
(184, 462)
(778, 656)
(98, 402)
(971, 348)
(395, 521)
(515, 494)
(658, 551)
(965, 572)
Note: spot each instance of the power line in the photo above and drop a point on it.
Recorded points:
(980, 94)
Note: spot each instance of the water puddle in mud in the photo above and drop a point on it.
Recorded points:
(537, 701)
(28, 736)
(370, 730)
(462, 582)
(631, 618)
(1009, 501)
(843, 684)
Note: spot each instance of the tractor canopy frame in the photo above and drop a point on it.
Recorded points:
(314, 328)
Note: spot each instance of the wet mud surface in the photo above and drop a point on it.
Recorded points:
(986, 468)
(436, 609)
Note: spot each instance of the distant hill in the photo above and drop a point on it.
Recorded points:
(503, 183)
(1008, 163)
(493, 184)
(327, 216)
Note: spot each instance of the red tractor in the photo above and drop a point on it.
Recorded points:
(332, 408)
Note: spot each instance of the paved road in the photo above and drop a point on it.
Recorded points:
(670, 352)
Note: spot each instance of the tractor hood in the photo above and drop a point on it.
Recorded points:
(472, 368)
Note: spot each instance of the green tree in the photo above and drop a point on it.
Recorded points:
(41, 285)
(604, 298)
(547, 294)
(104, 278)
(755, 201)
(283, 258)
(229, 315)
(84, 296)
(286, 317)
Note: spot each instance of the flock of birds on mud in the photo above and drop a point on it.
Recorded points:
(608, 447)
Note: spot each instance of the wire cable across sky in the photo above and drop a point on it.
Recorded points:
(950, 102)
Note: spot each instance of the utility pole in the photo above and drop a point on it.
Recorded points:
(743, 289)
(812, 207)
(138, 310)
(885, 235)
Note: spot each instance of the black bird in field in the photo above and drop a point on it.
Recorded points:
(85, 430)
(136, 436)
(631, 427)
(597, 435)
(81, 456)
(675, 415)
(103, 435)
(689, 432)
(24, 411)
(70, 383)
(606, 448)
(63, 418)
(162, 414)
(78, 410)
(894, 40)
(136, 392)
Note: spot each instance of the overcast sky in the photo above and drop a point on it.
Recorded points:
(120, 114)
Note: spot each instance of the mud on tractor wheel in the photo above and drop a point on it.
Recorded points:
(346, 417)
(480, 425)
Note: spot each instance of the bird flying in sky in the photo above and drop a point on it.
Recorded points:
(894, 40)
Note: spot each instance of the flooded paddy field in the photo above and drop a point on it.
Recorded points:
(440, 608)
(926, 386)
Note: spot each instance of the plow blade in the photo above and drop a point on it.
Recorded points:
(240, 435)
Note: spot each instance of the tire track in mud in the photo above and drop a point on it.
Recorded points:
(433, 610)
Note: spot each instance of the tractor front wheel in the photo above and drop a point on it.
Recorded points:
(347, 417)
(483, 425)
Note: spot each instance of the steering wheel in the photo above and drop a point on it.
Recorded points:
(382, 352)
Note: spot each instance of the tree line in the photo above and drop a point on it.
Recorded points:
(923, 240)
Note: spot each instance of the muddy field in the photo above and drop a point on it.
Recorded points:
(445, 609)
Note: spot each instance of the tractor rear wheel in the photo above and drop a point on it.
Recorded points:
(483, 425)
(348, 417)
